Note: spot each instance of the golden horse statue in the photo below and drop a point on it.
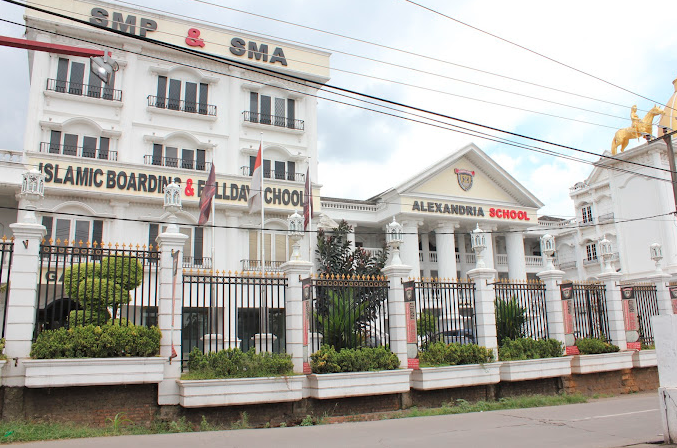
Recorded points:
(639, 127)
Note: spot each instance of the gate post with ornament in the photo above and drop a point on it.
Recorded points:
(557, 298)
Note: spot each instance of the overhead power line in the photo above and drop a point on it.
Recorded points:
(319, 85)
(535, 52)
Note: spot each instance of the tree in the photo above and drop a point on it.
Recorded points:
(101, 288)
(344, 313)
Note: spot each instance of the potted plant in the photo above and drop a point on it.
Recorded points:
(356, 372)
(597, 355)
(527, 359)
(232, 377)
(455, 365)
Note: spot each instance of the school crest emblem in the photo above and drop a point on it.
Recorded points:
(465, 178)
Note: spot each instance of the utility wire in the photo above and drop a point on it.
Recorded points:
(304, 81)
(536, 53)
(444, 125)
(444, 92)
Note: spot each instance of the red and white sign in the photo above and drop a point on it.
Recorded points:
(410, 311)
(506, 213)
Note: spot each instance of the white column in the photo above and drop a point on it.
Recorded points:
(463, 268)
(662, 293)
(168, 390)
(614, 307)
(293, 308)
(22, 301)
(233, 119)
(514, 245)
(485, 311)
(553, 303)
(116, 227)
(351, 236)
(409, 250)
(424, 254)
(397, 321)
(489, 251)
(446, 249)
(665, 334)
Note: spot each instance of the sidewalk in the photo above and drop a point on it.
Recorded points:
(629, 420)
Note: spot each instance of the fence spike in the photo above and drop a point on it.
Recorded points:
(12, 239)
(58, 241)
(116, 245)
(4, 238)
(43, 241)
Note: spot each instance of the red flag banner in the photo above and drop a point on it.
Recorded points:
(308, 201)
(254, 201)
(206, 197)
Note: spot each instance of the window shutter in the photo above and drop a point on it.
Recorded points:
(279, 170)
(174, 97)
(81, 232)
(97, 231)
(253, 107)
(265, 109)
(161, 91)
(198, 248)
(109, 89)
(280, 247)
(188, 244)
(191, 97)
(152, 235)
(104, 144)
(55, 142)
(70, 145)
(291, 114)
(279, 111)
(187, 159)
(77, 78)
(94, 87)
(267, 245)
(62, 75)
(89, 147)
(252, 163)
(171, 156)
(48, 222)
(291, 170)
(266, 168)
(200, 159)
(253, 245)
(204, 91)
(63, 230)
(157, 154)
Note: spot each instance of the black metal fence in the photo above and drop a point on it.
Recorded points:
(6, 255)
(647, 306)
(590, 312)
(275, 120)
(181, 105)
(521, 310)
(445, 312)
(92, 91)
(233, 311)
(82, 283)
(349, 312)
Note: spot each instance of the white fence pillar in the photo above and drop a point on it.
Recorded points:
(485, 309)
(397, 319)
(663, 293)
(168, 390)
(614, 308)
(293, 310)
(553, 304)
(22, 301)
(665, 334)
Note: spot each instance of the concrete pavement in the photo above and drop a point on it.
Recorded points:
(629, 420)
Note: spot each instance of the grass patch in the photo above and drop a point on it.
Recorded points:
(463, 407)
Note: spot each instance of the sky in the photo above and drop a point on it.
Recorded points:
(438, 64)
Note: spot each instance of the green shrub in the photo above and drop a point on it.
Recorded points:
(88, 317)
(426, 324)
(234, 363)
(591, 346)
(124, 270)
(441, 354)
(526, 348)
(510, 318)
(363, 359)
(89, 341)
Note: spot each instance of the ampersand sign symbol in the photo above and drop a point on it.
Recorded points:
(190, 191)
(192, 39)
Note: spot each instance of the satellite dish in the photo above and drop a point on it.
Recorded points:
(103, 67)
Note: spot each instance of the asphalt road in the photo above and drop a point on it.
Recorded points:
(629, 420)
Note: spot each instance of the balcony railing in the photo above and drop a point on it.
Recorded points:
(570, 264)
(282, 175)
(255, 265)
(182, 105)
(533, 260)
(175, 162)
(607, 217)
(588, 262)
(84, 90)
(197, 263)
(78, 151)
(274, 120)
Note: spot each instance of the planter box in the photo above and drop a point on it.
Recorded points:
(644, 358)
(531, 369)
(354, 384)
(235, 391)
(602, 362)
(429, 378)
(93, 371)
